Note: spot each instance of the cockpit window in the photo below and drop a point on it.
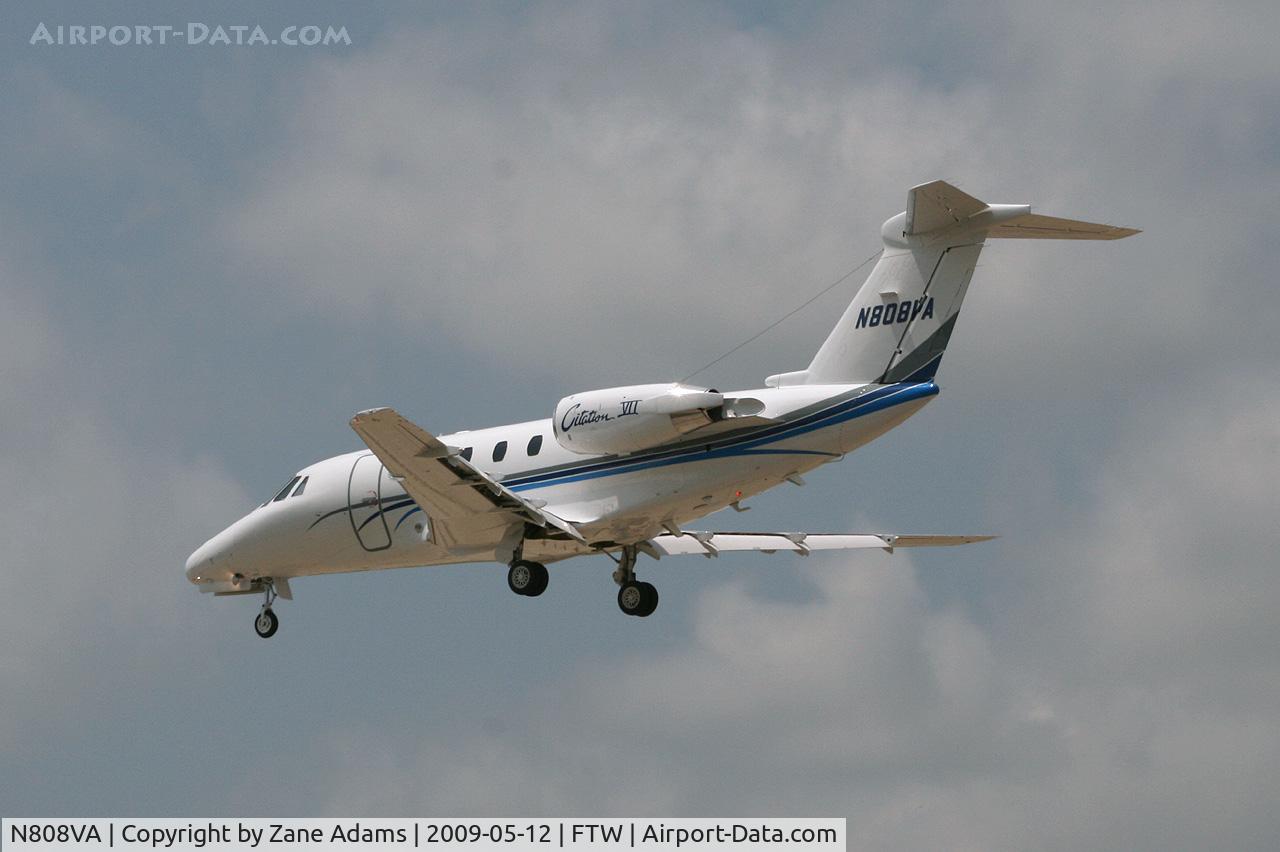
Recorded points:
(284, 492)
(301, 486)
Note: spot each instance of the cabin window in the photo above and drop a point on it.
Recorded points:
(302, 486)
(535, 445)
(499, 451)
(466, 454)
(284, 492)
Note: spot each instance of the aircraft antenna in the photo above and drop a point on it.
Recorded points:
(771, 326)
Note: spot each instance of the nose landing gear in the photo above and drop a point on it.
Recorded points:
(634, 597)
(266, 624)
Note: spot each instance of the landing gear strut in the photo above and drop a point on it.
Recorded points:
(266, 624)
(634, 597)
(527, 578)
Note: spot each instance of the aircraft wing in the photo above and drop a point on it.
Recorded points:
(712, 543)
(453, 492)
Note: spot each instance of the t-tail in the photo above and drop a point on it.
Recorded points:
(897, 327)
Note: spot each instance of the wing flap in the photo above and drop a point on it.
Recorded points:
(938, 540)
(710, 544)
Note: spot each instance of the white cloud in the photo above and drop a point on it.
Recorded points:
(788, 706)
(546, 208)
(555, 189)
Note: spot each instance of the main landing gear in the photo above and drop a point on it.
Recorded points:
(634, 597)
(266, 624)
(527, 578)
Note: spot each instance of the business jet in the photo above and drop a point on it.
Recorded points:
(621, 471)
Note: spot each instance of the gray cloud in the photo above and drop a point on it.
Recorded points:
(559, 177)
(589, 205)
(96, 526)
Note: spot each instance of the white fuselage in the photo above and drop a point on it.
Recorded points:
(351, 515)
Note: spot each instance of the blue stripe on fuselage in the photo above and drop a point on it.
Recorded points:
(406, 515)
(389, 508)
(742, 445)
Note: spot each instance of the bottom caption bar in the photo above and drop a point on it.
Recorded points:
(476, 835)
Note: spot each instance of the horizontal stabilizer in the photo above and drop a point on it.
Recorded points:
(710, 544)
(1033, 226)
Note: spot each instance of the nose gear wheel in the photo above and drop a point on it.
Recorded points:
(266, 624)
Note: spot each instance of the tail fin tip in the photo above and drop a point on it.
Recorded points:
(937, 204)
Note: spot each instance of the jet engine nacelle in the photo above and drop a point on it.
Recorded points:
(626, 419)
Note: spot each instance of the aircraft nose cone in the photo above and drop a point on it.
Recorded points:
(198, 563)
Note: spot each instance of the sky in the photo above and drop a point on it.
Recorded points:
(211, 256)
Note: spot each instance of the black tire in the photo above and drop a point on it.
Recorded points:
(632, 598)
(542, 578)
(266, 624)
(650, 600)
(527, 578)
